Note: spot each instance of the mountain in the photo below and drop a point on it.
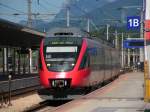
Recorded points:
(99, 11)
(80, 7)
(113, 11)
(39, 25)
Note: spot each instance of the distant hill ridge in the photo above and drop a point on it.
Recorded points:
(98, 10)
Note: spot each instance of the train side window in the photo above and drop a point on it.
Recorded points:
(85, 61)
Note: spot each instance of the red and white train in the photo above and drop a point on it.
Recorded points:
(69, 61)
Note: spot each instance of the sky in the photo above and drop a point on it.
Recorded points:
(10, 7)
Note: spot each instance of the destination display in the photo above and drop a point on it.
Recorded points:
(63, 41)
(61, 49)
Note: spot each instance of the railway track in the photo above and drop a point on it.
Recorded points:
(6, 97)
(37, 107)
(51, 105)
(46, 105)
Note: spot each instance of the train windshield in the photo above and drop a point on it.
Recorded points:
(61, 56)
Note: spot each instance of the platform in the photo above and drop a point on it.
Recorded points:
(125, 94)
(21, 103)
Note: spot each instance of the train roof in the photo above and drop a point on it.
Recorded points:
(74, 32)
(67, 31)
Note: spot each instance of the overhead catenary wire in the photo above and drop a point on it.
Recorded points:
(12, 9)
(51, 4)
(43, 5)
(21, 13)
(86, 15)
(6, 6)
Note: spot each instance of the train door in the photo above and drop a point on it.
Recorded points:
(101, 61)
(113, 63)
(94, 65)
(107, 63)
(110, 63)
(97, 65)
(118, 65)
(104, 63)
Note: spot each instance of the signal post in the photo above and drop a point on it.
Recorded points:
(147, 51)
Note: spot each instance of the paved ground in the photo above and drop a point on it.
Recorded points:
(22, 103)
(123, 95)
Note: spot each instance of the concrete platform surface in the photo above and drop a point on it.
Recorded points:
(125, 94)
(22, 103)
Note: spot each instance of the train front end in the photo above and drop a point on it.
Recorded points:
(61, 63)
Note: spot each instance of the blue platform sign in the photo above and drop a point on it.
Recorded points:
(133, 44)
(133, 22)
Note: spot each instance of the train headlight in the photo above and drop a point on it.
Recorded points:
(48, 64)
(53, 83)
(65, 83)
(72, 64)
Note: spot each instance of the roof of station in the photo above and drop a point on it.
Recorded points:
(16, 35)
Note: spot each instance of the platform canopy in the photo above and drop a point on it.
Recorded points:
(12, 34)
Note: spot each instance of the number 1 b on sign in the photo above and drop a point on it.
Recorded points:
(133, 22)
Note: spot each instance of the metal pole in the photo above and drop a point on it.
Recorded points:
(5, 60)
(128, 57)
(122, 49)
(14, 61)
(9, 99)
(19, 62)
(29, 14)
(142, 36)
(107, 31)
(30, 25)
(7, 67)
(147, 49)
(128, 54)
(3, 57)
(133, 55)
(24, 63)
(123, 11)
(116, 39)
(30, 65)
(88, 25)
(2, 99)
(68, 17)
